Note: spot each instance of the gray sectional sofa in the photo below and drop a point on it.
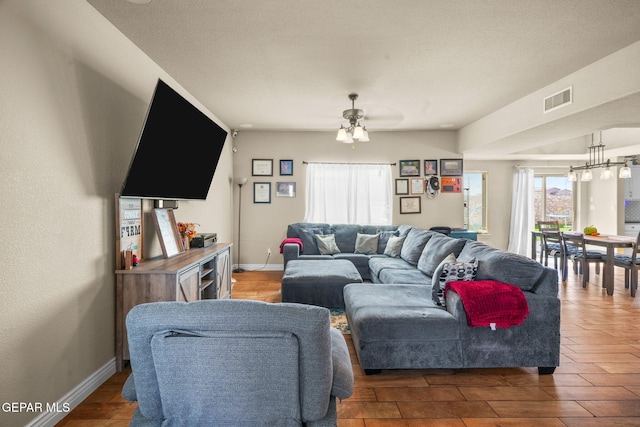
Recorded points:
(395, 321)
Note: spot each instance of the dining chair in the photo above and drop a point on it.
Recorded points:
(551, 245)
(631, 264)
(575, 249)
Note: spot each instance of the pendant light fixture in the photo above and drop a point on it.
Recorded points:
(596, 160)
(354, 132)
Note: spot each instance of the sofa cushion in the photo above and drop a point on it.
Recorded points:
(438, 271)
(327, 244)
(411, 276)
(367, 243)
(403, 230)
(308, 237)
(394, 246)
(379, 263)
(436, 249)
(414, 244)
(452, 271)
(506, 267)
(346, 235)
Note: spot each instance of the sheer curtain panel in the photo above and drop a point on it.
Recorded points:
(349, 193)
(522, 211)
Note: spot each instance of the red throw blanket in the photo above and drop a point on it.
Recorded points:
(291, 240)
(491, 303)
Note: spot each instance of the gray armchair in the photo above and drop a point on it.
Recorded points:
(235, 363)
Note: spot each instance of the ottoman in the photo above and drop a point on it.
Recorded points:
(318, 282)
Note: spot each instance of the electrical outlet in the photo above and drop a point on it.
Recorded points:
(269, 251)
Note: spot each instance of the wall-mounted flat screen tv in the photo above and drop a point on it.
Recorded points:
(177, 152)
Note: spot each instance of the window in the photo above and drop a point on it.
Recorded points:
(475, 206)
(554, 199)
(346, 193)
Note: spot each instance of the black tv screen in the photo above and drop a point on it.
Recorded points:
(177, 152)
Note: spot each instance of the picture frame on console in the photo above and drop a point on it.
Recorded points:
(168, 234)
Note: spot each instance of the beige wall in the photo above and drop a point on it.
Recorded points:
(67, 134)
(265, 225)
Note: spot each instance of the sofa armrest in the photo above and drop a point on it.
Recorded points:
(342, 371)
(290, 251)
(129, 390)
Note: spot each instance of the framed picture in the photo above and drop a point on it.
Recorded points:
(167, 230)
(402, 186)
(129, 228)
(410, 205)
(286, 167)
(409, 167)
(285, 189)
(262, 167)
(430, 167)
(417, 185)
(451, 184)
(261, 192)
(450, 167)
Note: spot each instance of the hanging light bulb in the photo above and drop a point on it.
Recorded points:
(357, 131)
(586, 175)
(342, 134)
(606, 174)
(365, 135)
(348, 139)
(625, 172)
(572, 176)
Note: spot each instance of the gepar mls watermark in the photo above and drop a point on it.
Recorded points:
(19, 407)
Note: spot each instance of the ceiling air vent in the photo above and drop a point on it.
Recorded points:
(558, 100)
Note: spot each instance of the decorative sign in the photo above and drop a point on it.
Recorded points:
(451, 184)
(128, 228)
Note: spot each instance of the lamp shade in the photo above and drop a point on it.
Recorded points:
(572, 176)
(586, 175)
(342, 134)
(625, 172)
(357, 132)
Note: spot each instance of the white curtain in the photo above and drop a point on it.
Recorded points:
(339, 193)
(522, 212)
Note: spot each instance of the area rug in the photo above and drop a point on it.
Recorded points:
(339, 320)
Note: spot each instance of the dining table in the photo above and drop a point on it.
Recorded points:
(609, 241)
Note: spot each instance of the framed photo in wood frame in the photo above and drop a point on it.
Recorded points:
(450, 167)
(262, 167)
(417, 185)
(167, 230)
(410, 205)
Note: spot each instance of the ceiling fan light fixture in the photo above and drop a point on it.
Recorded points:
(355, 132)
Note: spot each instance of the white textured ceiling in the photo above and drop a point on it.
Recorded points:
(416, 64)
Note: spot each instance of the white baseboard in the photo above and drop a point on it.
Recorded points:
(261, 267)
(72, 399)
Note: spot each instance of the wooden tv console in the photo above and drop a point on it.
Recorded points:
(199, 273)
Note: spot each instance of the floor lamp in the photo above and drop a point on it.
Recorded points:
(240, 182)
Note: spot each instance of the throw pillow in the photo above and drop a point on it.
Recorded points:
(435, 280)
(308, 237)
(394, 246)
(327, 244)
(384, 238)
(367, 243)
(452, 271)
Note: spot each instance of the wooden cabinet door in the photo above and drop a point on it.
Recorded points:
(188, 286)
(224, 275)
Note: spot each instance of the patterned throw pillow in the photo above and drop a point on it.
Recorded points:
(450, 272)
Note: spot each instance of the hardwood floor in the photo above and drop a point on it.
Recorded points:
(597, 383)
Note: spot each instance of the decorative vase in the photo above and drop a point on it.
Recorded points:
(186, 242)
